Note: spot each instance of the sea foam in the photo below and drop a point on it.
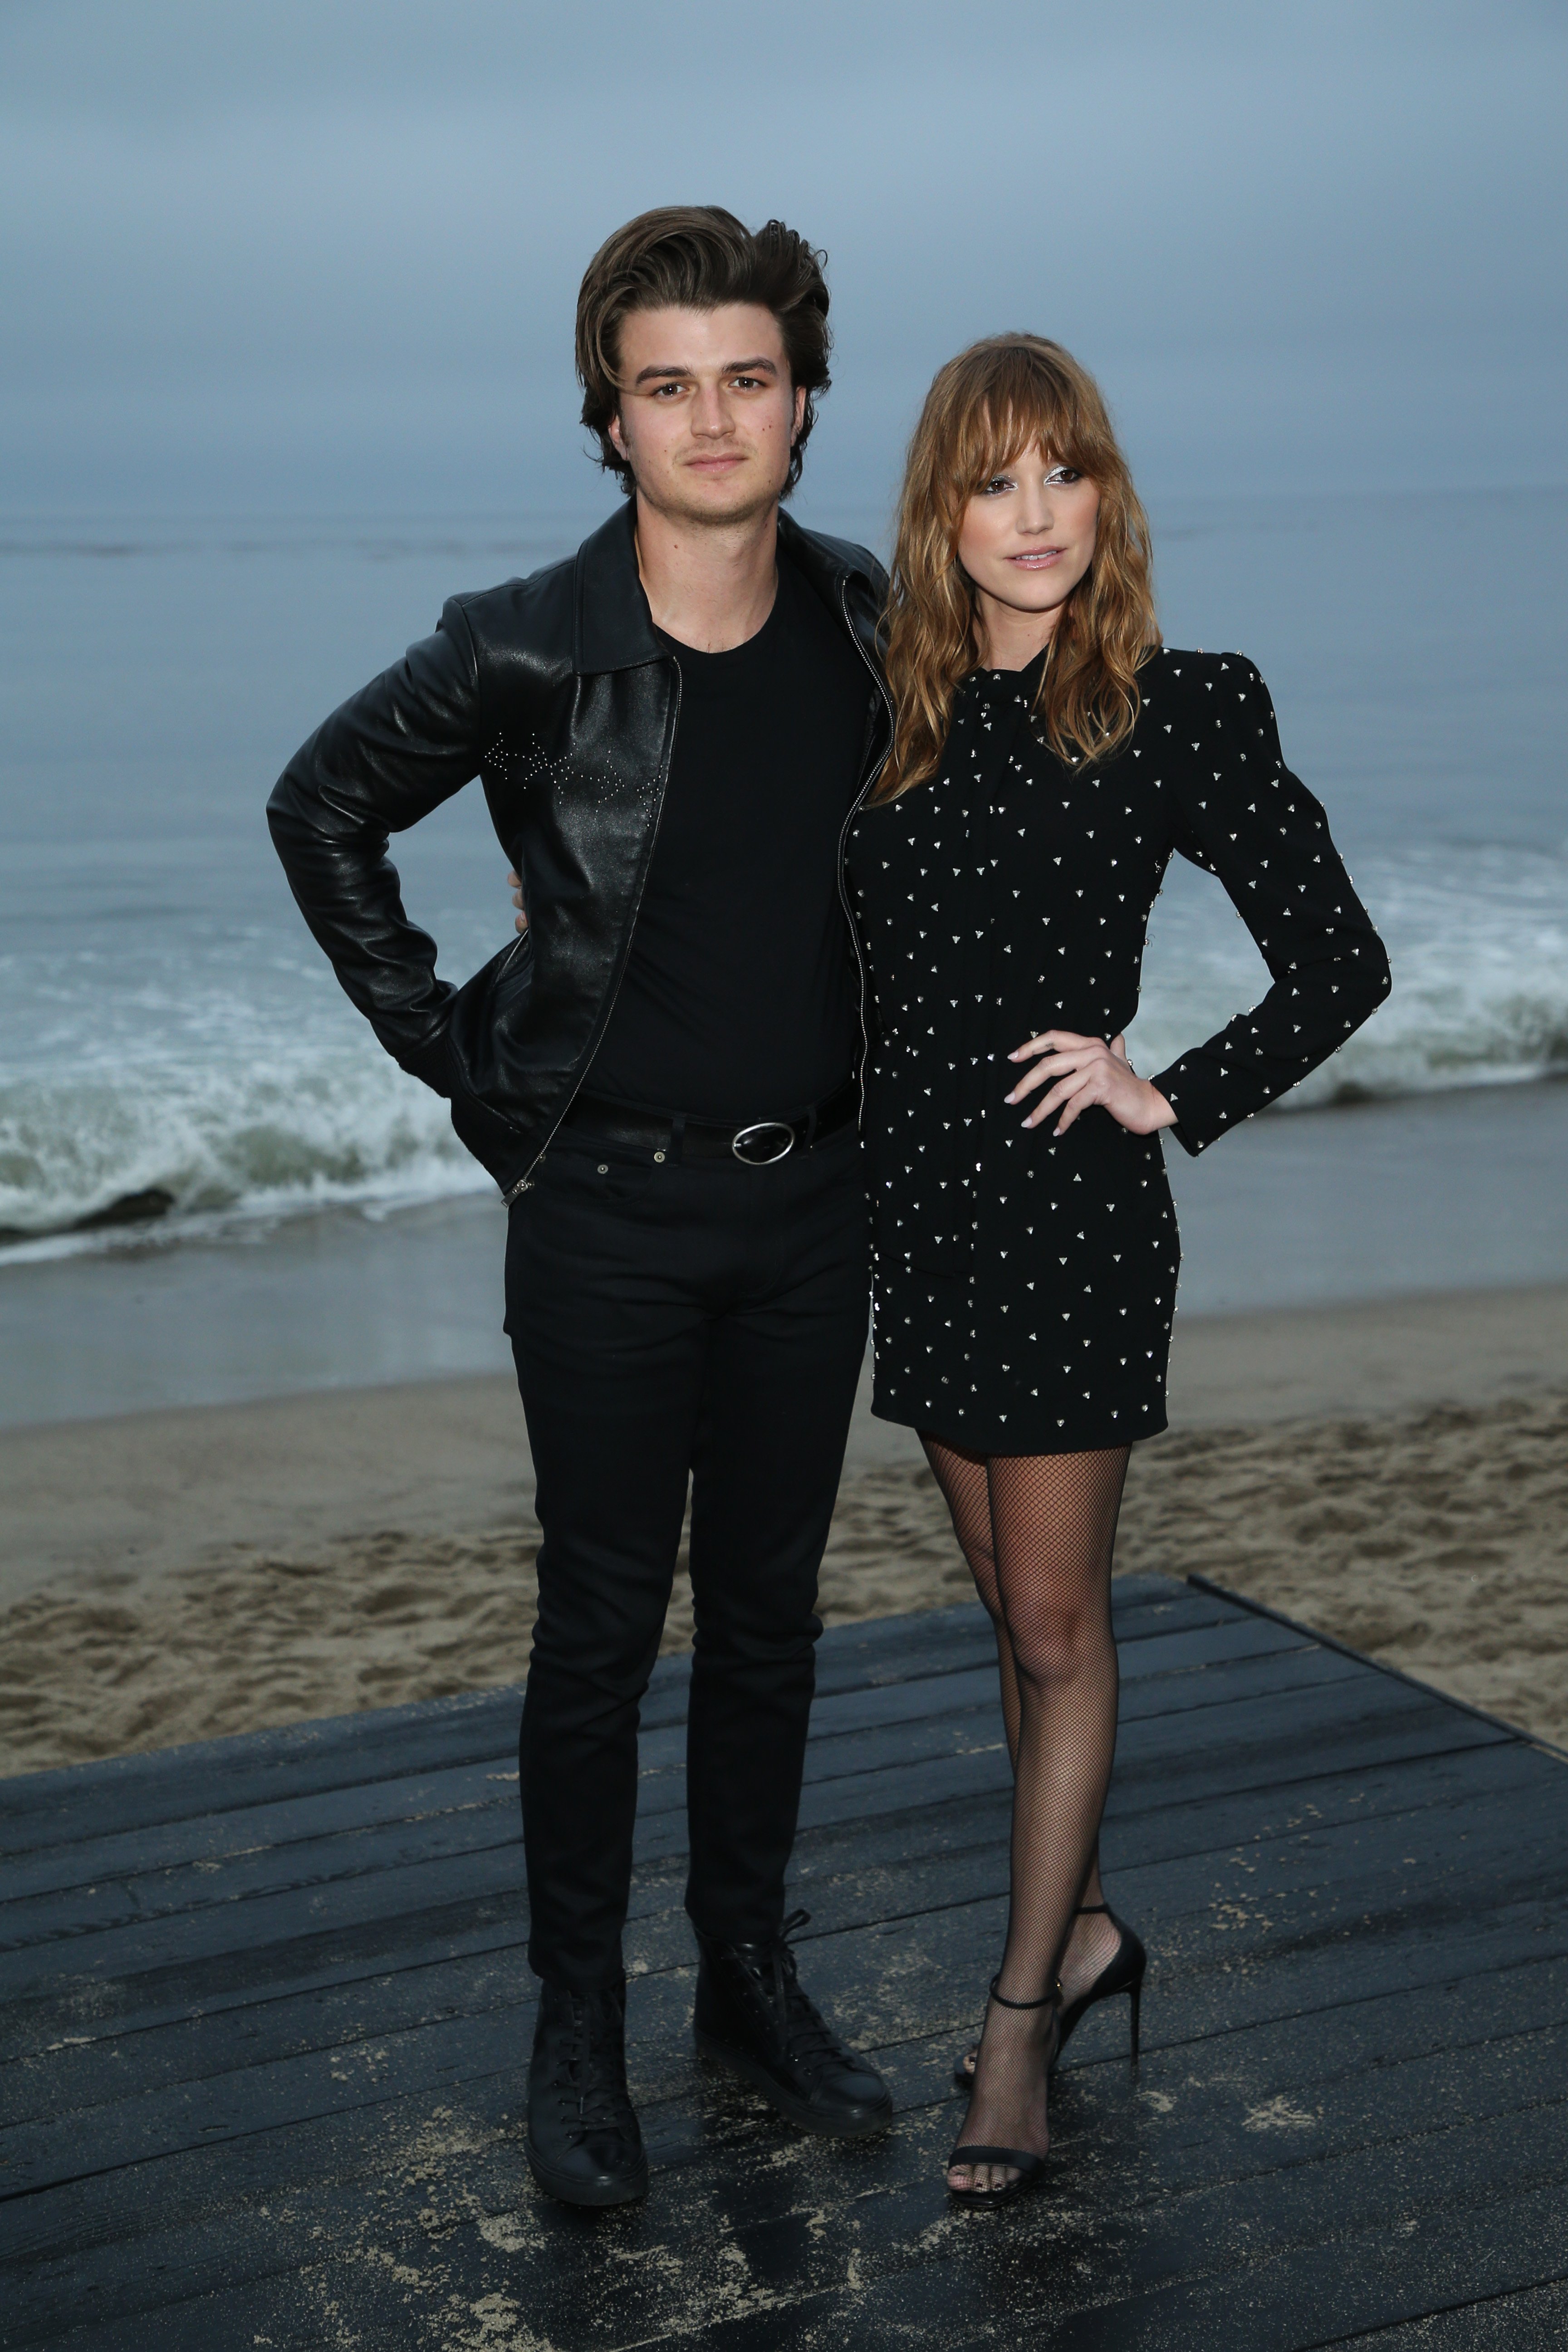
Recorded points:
(228, 1081)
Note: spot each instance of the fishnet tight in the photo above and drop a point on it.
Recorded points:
(1038, 1531)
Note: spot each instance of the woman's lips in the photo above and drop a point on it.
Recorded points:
(1036, 559)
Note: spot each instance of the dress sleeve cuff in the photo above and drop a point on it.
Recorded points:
(1200, 1119)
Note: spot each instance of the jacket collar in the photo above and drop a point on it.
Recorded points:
(614, 630)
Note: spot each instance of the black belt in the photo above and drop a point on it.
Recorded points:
(757, 1144)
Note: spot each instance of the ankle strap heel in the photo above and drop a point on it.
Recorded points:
(1025, 2165)
(1052, 2000)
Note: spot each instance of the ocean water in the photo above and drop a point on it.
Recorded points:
(168, 1029)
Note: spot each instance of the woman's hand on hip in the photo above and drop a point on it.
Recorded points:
(519, 921)
(1079, 1071)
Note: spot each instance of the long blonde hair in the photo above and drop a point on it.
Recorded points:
(1000, 397)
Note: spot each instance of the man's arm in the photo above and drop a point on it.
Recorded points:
(399, 748)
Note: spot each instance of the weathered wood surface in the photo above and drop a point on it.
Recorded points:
(264, 2015)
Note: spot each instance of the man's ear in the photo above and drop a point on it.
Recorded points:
(800, 399)
(617, 437)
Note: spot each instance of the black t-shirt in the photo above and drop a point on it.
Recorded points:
(738, 996)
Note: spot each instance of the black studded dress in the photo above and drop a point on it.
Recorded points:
(1024, 1285)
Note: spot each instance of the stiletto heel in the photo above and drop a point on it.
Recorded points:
(1025, 2165)
(1123, 1973)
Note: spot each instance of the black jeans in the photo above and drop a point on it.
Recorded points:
(672, 1319)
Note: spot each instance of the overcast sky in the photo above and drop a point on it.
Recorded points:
(307, 255)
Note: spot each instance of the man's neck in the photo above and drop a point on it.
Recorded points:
(711, 585)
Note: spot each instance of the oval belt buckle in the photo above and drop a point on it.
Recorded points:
(740, 1142)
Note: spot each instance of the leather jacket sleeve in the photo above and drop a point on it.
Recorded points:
(396, 750)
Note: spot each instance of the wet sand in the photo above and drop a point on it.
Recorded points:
(1394, 1473)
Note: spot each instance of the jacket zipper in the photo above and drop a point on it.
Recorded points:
(526, 1178)
(855, 807)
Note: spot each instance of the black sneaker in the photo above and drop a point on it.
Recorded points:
(753, 2017)
(583, 2145)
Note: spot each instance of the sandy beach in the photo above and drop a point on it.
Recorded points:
(1394, 1473)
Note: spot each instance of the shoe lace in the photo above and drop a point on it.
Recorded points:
(807, 2031)
(591, 2078)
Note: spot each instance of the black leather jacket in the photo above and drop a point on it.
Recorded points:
(555, 690)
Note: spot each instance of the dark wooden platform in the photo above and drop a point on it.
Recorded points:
(266, 2013)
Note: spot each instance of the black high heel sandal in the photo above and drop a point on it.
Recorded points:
(1027, 2168)
(1123, 1973)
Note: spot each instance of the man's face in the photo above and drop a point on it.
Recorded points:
(707, 415)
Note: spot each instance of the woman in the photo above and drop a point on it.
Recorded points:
(1049, 754)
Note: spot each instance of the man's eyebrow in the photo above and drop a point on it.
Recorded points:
(735, 367)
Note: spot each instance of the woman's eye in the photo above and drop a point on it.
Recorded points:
(1061, 477)
(997, 483)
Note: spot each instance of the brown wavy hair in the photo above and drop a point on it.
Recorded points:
(1004, 396)
(699, 257)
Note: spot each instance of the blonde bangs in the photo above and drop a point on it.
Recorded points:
(1004, 396)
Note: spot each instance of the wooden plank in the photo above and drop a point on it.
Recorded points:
(1362, 2034)
(139, 1791)
(1535, 2319)
(1394, 1971)
(858, 1844)
(1249, 1751)
(930, 1981)
(227, 1832)
(910, 1873)
(130, 1858)
(130, 1792)
(174, 1784)
(1402, 2009)
(1247, 1748)
(482, 1819)
(1314, 2293)
(877, 2212)
(1370, 1877)
(327, 2063)
(1380, 1666)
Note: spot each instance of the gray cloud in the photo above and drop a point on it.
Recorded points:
(301, 254)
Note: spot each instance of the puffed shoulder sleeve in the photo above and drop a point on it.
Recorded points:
(393, 752)
(1242, 815)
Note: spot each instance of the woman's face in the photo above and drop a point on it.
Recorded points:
(1027, 537)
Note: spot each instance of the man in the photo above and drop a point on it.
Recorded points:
(663, 1076)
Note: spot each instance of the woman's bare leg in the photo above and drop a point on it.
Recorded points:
(966, 1491)
(1051, 1529)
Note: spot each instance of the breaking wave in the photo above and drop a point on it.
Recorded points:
(233, 1084)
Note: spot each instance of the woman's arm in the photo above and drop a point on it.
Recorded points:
(1242, 815)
